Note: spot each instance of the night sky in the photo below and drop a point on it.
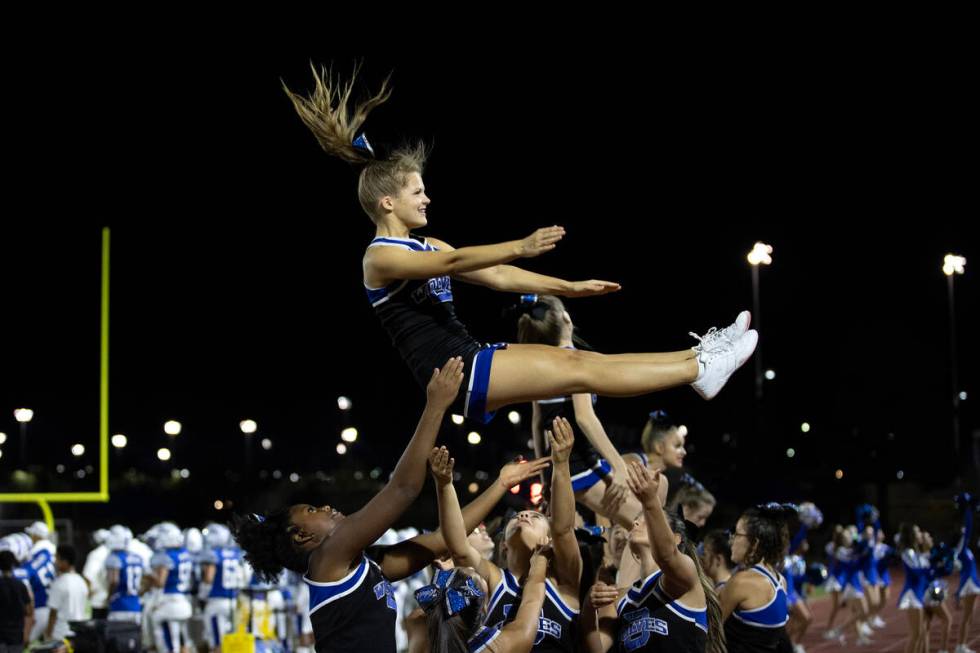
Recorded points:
(236, 247)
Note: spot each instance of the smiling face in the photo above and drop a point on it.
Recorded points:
(310, 525)
(671, 449)
(411, 203)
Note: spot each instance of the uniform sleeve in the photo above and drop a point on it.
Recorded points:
(207, 557)
(161, 560)
(113, 562)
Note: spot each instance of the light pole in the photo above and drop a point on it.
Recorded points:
(761, 254)
(248, 428)
(953, 265)
(23, 417)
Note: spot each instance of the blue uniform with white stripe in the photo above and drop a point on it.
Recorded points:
(916, 579)
(557, 623)
(762, 628)
(126, 597)
(180, 569)
(229, 573)
(881, 554)
(969, 583)
(40, 572)
(420, 318)
(649, 620)
(355, 614)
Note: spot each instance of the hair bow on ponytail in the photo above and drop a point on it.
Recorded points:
(456, 598)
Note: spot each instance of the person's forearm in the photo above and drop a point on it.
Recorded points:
(562, 499)
(478, 257)
(451, 521)
(596, 435)
(52, 620)
(661, 536)
(473, 515)
(514, 279)
(409, 474)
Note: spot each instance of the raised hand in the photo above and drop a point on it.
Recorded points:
(515, 472)
(444, 384)
(643, 484)
(441, 466)
(562, 439)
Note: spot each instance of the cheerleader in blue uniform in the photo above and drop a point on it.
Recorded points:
(408, 281)
(794, 570)
(754, 603)
(913, 592)
(941, 561)
(836, 576)
(869, 525)
(969, 586)
(883, 555)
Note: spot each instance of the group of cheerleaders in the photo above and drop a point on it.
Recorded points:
(661, 588)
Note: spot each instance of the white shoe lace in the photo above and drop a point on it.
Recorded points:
(713, 339)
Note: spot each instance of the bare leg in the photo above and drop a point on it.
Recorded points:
(523, 373)
(802, 618)
(628, 511)
(968, 602)
(834, 608)
(915, 630)
(946, 620)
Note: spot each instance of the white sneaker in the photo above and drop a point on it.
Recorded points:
(834, 634)
(798, 648)
(864, 640)
(878, 622)
(720, 361)
(730, 333)
(961, 648)
(864, 630)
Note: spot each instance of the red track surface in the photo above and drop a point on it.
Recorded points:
(890, 639)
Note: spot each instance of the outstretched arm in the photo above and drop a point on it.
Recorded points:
(680, 574)
(508, 278)
(331, 560)
(568, 557)
(405, 558)
(387, 264)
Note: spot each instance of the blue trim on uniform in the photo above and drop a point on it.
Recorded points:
(482, 638)
(552, 593)
(584, 480)
(418, 246)
(773, 614)
(475, 406)
(697, 617)
(324, 593)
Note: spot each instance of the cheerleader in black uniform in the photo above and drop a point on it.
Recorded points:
(352, 606)
(408, 282)
(673, 608)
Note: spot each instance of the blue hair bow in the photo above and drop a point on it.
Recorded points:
(456, 598)
(361, 143)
